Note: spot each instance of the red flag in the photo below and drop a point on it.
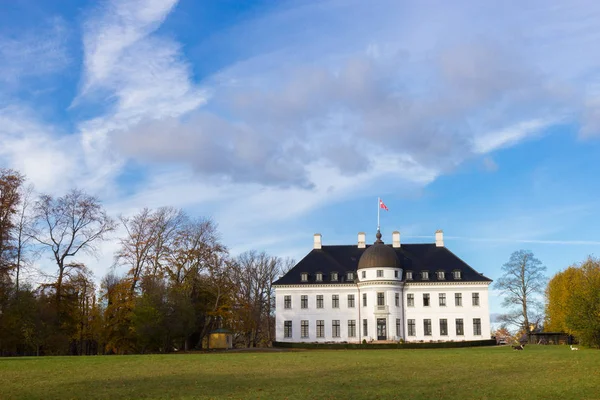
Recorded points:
(382, 205)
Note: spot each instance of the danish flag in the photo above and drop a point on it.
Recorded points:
(382, 205)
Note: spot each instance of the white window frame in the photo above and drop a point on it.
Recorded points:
(304, 329)
(475, 299)
(287, 329)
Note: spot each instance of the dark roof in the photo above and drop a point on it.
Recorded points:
(412, 257)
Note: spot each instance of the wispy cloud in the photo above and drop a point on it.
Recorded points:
(506, 137)
(33, 53)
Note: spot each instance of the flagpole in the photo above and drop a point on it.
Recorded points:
(378, 207)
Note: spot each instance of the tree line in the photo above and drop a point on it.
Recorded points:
(173, 280)
(573, 302)
(572, 298)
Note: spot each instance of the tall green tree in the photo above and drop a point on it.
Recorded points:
(573, 301)
(522, 284)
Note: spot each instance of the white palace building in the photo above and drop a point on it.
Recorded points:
(381, 292)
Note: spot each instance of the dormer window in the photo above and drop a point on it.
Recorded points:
(319, 277)
(334, 277)
(425, 275)
(304, 277)
(409, 275)
(350, 276)
(456, 274)
(441, 276)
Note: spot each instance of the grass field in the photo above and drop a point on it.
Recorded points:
(538, 372)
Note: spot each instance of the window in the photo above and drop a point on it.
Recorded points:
(381, 299)
(410, 300)
(334, 276)
(441, 276)
(304, 277)
(287, 301)
(304, 301)
(319, 277)
(351, 328)
(395, 274)
(477, 326)
(475, 297)
(319, 301)
(398, 327)
(350, 276)
(350, 301)
(365, 330)
(409, 275)
(320, 328)
(287, 329)
(442, 299)
(380, 273)
(458, 299)
(459, 327)
(304, 329)
(425, 299)
(443, 327)
(335, 328)
(397, 299)
(412, 331)
(427, 327)
(335, 301)
(364, 299)
(425, 275)
(364, 274)
(456, 274)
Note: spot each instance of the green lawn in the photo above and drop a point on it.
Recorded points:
(538, 372)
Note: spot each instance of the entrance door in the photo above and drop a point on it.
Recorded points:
(381, 329)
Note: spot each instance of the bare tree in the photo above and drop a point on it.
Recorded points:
(253, 274)
(167, 222)
(522, 280)
(136, 246)
(70, 224)
(149, 242)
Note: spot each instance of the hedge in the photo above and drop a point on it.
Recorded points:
(412, 345)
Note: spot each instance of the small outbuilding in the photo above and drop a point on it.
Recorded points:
(220, 339)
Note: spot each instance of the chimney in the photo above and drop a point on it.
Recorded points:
(362, 241)
(439, 238)
(317, 242)
(396, 239)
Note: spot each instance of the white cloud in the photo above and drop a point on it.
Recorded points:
(113, 29)
(297, 119)
(509, 136)
(48, 159)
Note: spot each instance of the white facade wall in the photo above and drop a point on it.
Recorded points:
(451, 312)
(389, 285)
(312, 314)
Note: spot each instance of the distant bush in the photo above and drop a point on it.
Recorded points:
(364, 345)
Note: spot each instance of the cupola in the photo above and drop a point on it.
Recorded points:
(379, 255)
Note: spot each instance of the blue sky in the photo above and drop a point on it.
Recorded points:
(282, 119)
